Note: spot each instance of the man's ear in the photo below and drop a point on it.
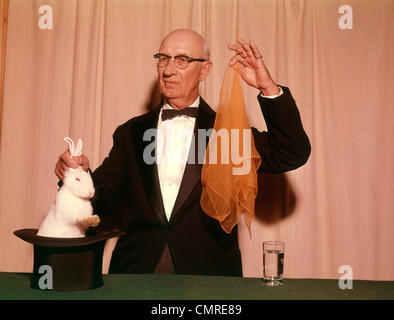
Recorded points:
(206, 68)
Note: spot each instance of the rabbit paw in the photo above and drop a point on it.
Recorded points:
(92, 221)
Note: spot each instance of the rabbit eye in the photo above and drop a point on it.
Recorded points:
(77, 179)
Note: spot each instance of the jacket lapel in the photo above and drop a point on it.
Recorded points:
(192, 175)
(148, 171)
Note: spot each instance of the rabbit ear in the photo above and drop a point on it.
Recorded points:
(75, 151)
(78, 148)
(71, 146)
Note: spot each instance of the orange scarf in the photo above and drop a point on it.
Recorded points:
(229, 174)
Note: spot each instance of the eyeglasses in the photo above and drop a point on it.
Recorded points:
(181, 61)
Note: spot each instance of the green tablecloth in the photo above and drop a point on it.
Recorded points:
(185, 287)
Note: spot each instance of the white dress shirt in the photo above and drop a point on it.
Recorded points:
(173, 144)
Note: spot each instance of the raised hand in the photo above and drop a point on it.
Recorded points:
(253, 70)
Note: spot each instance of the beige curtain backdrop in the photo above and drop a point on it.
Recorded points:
(94, 70)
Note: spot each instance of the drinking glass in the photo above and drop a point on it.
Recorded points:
(273, 259)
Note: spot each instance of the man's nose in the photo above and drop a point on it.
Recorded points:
(170, 68)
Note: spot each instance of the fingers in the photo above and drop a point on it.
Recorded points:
(235, 59)
(244, 51)
(58, 171)
(240, 53)
(66, 161)
(82, 161)
(256, 52)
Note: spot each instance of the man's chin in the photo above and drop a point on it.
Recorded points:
(169, 94)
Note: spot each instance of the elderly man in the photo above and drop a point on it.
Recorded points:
(166, 228)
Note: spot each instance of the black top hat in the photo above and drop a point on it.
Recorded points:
(67, 264)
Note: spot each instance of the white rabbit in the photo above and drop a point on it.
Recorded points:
(72, 213)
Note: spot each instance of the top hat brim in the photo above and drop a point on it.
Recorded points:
(30, 235)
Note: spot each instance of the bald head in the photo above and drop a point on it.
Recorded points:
(191, 39)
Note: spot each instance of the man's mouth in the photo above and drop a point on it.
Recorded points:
(168, 83)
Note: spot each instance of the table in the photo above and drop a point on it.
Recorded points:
(188, 287)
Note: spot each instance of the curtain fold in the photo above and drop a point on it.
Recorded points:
(94, 70)
(3, 35)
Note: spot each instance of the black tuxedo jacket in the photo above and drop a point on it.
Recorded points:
(190, 242)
